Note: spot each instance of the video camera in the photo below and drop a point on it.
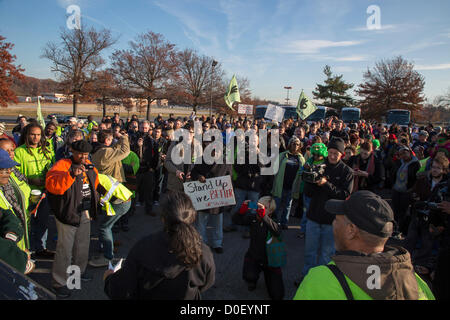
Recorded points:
(314, 173)
(423, 209)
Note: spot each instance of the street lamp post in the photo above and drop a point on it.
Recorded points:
(287, 97)
(213, 64)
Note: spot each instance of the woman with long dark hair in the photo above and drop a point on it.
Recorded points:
(167, 265)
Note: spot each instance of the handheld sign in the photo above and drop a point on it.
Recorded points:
(214, 193)
(274, 113)
(245, 109)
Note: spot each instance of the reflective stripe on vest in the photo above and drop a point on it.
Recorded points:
(104, 201)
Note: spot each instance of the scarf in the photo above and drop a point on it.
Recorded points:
(370, 170)
(10, 195)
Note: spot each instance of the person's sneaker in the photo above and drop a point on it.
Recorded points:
(156, 203)
(246, 235)
(301, 235)
(218, 250)
(61, 292)
(229, 229)
(100, 261)
(86, 277)
(44, 254)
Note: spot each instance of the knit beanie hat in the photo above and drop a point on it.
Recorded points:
(338, 144)
(320, 149)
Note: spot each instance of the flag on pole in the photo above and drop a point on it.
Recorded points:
(39, 117)
(305, 107)
(232, 94)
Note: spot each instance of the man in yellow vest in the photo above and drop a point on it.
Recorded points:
(116, 201)
(11, 229)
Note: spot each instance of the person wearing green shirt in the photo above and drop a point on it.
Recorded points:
(364, 267)
(35, 160)
(91, 123)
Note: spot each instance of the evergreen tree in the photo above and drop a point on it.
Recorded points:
(334, 91)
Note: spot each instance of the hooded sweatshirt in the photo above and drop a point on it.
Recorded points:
(396, 279)
(153, 272)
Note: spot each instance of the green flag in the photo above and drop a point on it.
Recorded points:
(305, 107)
(232, 94)
(39, 117)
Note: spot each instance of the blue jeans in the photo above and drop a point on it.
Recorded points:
(240, 196)
(319, 245)
(39, 227)
(215, 221)
(306, 202)
(283, 207)
(106, 224)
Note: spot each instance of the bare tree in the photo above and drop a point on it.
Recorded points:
(150, 65)
(198, 74)
(393, 84)
(76, 59)
(443, 100)
(106, 89)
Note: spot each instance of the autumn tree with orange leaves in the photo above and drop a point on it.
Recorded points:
(392, 84)
(8, 73)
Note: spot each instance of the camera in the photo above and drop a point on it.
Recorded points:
(423, 209)
(89, 166)
(252, 206)
(314, 173)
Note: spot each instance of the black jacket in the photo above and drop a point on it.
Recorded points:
(258, 234)
(64, 195)
(150, 272)
(248, 175)
(339, 185)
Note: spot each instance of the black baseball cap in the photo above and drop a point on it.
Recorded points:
(366, 210)
(81, 146)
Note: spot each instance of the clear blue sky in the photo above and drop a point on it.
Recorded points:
(274, 43)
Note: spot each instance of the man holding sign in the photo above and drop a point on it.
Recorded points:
(219, 189)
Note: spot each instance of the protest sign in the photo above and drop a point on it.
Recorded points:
(245, 109)
(274, 113)
(214, 193)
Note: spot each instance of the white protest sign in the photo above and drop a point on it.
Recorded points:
(274, 113)
(214, 193)
(245, 109)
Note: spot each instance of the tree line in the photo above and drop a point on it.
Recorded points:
(152, 68)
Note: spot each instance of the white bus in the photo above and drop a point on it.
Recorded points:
(350, 115)
(290, 112)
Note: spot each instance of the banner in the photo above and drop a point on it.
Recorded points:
(274, 113)
(214, 193)
(245, 109)
(39, 116)
(232, 95)
(305, 107)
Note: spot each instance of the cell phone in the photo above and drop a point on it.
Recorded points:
(253, 205)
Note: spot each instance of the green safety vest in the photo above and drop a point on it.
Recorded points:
(4, 204)
(321, 284)
(34, 165)
(114, 188)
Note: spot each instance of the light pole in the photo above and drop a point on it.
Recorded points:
(287, 97)
(213, 64)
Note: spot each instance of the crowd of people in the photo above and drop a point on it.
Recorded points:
(329, 174)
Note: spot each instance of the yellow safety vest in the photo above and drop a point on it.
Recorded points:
(114, 188)
(4, 204)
